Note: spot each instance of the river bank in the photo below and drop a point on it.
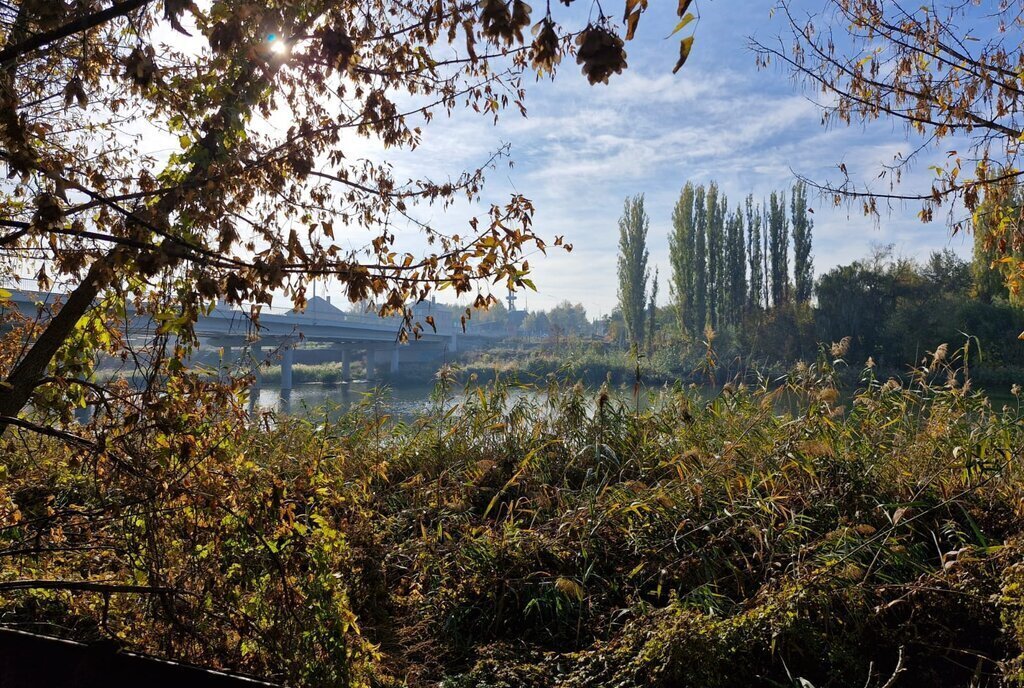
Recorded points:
(567, 537)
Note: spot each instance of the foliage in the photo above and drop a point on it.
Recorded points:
(536, 324)
(569, 319)
(565, 320)
(682, 258)
(778, 248)
(893, 307)
(712, 248)
(551, 537)
(948, 71)
(700, 262)
(803, 225)
(993, 261)
(734, 288)
(715, 214)
(757, 298)
(200, 541)
(633, 273)
(256, 193)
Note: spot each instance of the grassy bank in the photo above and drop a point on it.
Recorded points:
(302, 373)
(594, 364)
(568, 540)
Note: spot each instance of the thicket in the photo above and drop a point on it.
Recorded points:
(892, 308)
(567, 538)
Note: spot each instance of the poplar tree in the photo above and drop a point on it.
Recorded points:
(722, 285)
(755, 254)
(767, 298)
(633, 272)
(736, 260)
(652, 314)
(700, 263)
(715, 241)
(803, 263)
(681, 258)
(778, 248)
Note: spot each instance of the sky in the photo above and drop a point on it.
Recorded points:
(583, 149)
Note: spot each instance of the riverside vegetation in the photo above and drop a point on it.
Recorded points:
(894, 308)
(568, 538)
(574, 539)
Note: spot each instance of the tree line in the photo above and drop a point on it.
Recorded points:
(726, 263)
(747, 273)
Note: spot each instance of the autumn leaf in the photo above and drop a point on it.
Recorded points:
(684, 52)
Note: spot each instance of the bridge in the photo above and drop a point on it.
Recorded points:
(347, 336)
(343, 337)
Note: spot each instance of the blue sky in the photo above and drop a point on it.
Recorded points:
(583, 149)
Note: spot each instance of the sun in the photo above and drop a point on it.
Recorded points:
(277, 43)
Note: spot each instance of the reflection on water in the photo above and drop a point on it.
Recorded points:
(340, 397)
(409, 401)
(405, 402)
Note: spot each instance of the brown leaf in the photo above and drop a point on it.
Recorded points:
(631, 24)
(684, 52)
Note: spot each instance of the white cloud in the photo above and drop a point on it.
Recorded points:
(583, 149)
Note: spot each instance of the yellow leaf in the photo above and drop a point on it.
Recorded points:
(682, 24)
(684, 52)
(569, 588)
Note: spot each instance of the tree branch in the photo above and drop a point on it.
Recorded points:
(85, 586)
(89, 21)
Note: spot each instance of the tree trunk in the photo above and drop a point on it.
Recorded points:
(17, 389)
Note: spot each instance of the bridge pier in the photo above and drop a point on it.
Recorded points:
(453, 343)
(346, 365)
(394, 360)
(256, 359)
(369, 364)
(287, 358)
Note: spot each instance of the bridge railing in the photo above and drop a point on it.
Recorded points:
(444, 320)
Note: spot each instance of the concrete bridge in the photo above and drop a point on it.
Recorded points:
(347, 336)
(342, 337)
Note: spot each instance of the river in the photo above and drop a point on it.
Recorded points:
(305, 399)
(408, 401)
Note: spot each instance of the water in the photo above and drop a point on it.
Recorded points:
(405, 401)
(409, 401)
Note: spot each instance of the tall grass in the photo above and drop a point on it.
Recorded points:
(577, 538)
(582, 540)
